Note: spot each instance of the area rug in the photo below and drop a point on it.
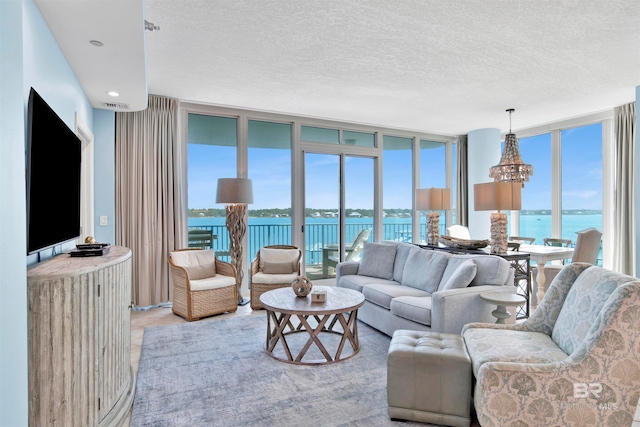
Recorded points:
(217, 373)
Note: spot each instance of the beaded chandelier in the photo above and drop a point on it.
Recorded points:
(511, 166)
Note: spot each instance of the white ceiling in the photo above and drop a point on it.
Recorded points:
(120, 64)
(430, 65)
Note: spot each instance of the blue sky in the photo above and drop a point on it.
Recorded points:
(581, 169)
(270, 170)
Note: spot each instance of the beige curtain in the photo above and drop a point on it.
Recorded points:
(150, 203)
(624, 252)
(462, 185)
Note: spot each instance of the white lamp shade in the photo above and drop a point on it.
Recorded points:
(503, 195)
(234, 190)
(436, 199)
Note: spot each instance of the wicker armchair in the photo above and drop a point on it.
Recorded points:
(273, 277)
(202, 284)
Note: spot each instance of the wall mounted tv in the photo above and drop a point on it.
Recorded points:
(53, 178)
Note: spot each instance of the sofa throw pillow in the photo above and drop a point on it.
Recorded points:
(454, 262)
(462, 276)
(402, 253)
(278, 268)
(424, 269)
(377, 260)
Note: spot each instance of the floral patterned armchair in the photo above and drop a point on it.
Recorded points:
(574, 362)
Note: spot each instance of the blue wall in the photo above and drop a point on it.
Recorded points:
(30, 57)
(48, 72)
(13, 245)
(104, 175)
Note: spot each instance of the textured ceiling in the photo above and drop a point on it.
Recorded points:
(437, 66)
(440, 66)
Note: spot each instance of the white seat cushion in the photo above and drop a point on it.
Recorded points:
(216, 282)
(416, 309)
(501, 345)
(355, 282)
(272, 279)
(382, 294)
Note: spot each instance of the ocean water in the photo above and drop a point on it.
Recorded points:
(323, 231)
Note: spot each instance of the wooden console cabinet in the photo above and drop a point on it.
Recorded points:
(80, 340)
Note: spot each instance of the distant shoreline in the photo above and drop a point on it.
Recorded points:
(286, 213)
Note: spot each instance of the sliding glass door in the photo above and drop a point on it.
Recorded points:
(338, 210)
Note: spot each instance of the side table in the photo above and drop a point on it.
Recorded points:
(502, 300)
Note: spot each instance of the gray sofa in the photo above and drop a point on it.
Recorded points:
(407, 287)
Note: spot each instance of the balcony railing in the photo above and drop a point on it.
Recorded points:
(317, 236)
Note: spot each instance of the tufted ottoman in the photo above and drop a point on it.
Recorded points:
(429, 378)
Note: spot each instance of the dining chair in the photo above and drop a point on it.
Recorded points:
(459, 232)
(520, 239)
(552, 241)
(513, 246)
(586, 250)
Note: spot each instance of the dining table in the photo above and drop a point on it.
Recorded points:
(540, 255)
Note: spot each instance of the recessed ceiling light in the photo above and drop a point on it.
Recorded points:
(96, 43)
(113, 93)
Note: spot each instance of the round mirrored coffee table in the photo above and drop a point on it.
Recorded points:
(502, 300)
(329, 325)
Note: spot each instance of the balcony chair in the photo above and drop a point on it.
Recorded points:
(274, 267)
(202, 284)
(586, 250)
(573, 362)
(202, 239)
(329, 253)
(459, 232)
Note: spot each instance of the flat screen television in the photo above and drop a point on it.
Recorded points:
(53, 178)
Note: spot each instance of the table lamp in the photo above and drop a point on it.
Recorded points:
(235, 194)
(503, 195)
(433, 199)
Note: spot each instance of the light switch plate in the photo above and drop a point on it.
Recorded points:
(103, 220)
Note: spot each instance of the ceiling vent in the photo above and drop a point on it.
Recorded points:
(116, 106)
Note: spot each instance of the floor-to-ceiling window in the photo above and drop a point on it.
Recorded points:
(581, 180)
(397, 188)
(535, 216)
(269, 168)
(339, 193)
(564, 195)
(212, 154)
(454, 183)
(433, 173)
(270, 149)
